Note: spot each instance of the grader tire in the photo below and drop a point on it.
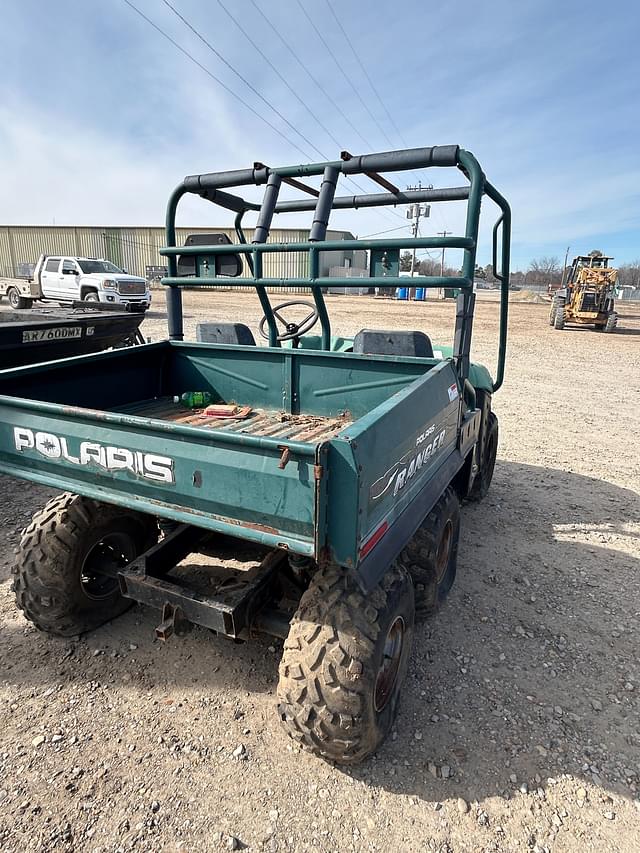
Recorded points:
(612, 322)
(558, 320)
(344, 662)
(56, 577)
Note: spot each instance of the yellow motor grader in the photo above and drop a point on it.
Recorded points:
(586, 299)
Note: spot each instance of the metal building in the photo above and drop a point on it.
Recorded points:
(136, 249)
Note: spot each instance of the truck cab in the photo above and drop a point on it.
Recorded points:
(65, 278)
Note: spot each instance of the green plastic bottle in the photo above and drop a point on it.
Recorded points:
(194, 399)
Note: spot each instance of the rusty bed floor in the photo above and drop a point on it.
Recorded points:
(261, 422)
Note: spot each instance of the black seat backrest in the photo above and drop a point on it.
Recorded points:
(393, 342)
(224, 333)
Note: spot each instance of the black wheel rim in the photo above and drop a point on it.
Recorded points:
(105, 558)
(444, 550)
(391, 657)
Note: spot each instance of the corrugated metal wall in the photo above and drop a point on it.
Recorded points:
(135, 249)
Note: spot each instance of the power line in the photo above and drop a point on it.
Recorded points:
(388, 231)
(439, 213)
(228, 89)
(366, 74)
(281, 77)
(248, 83)
(342, 71)
(241, 77)
(216, 79)
(305, 68)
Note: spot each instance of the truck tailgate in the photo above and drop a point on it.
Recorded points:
(231, 483)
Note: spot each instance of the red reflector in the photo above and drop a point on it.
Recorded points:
(373, 540)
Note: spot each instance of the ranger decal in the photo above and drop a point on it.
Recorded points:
(407, 467)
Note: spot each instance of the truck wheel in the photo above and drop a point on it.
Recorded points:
(344, 662)
(17, 302)
(558, 320)
(431, 556)
(57, 579)
(91, 296)
(612, 322)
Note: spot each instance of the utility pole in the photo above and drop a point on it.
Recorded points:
(564, 268)
(414, 212)
(443, 234)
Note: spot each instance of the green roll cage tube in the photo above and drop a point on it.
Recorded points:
(213, 187)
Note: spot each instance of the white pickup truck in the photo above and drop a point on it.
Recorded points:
(64, 279)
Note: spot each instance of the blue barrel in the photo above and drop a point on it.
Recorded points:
(420, 294)
(402, 293)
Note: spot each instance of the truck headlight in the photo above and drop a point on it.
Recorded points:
(109, 284)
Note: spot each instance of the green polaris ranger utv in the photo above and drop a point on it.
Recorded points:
(317, 498)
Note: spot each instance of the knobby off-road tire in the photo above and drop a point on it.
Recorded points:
(558, 320)
(56, 580)
(612, 323)
(488, 449)
(552, 313)
(431, 556)
(344, 662)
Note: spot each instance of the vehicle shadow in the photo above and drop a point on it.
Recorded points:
(530, 669)
(622, 330)
(524, 674)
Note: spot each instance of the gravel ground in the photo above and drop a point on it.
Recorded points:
(520, 723)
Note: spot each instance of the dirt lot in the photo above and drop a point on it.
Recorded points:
(520, 725)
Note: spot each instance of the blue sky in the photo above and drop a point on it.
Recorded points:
(100, 117)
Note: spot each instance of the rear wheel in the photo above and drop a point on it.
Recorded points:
(487, 448)
(431, 556)
(344, 662)
(64, 574)
(17, 301)
(558, 320)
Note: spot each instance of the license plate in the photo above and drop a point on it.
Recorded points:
(60, 333)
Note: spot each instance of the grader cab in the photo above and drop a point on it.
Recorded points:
(587, 298)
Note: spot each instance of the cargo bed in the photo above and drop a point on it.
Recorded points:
(325, 430)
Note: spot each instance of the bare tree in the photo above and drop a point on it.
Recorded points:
(629, 274)
(543, 270)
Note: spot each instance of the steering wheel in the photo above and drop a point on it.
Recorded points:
(292, 331)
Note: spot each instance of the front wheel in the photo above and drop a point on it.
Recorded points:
(91, 296)
(18, 302)
(344, 662)
(558, 320)
(612, 322)
(65, 571)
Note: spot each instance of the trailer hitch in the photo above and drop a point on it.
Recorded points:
(173, 622)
